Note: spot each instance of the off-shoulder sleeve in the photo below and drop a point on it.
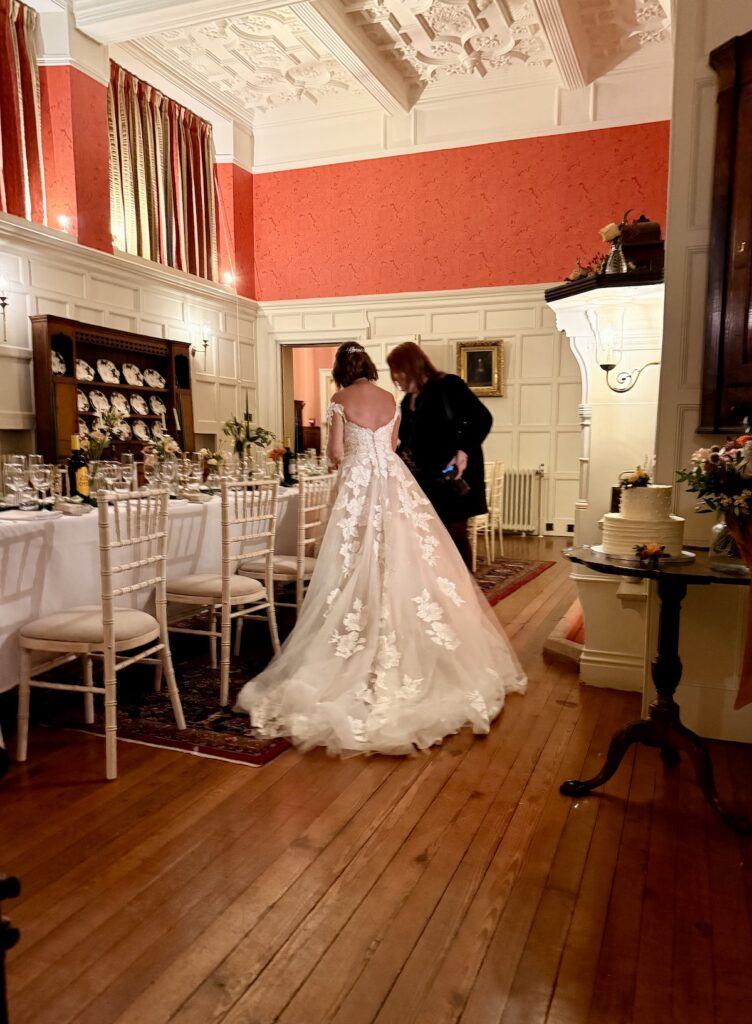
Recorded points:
(334, 407)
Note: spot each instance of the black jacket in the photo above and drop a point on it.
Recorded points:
(447, 418)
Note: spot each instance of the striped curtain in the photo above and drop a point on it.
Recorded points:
(162, 194)
(21, 167)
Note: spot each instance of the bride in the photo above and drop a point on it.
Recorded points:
(395, 647)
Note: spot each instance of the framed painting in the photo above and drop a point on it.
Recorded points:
(481, 366)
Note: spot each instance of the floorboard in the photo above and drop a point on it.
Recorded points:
(455, 887)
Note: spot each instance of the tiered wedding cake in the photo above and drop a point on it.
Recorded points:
(644, 517)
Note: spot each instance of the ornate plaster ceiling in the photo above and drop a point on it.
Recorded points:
(318, 54)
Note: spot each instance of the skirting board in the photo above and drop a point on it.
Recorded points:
(612, 670)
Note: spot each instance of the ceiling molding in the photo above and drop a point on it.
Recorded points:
(329, 22)
(562, 46)
(116, 21)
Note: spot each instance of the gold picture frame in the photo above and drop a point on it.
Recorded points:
(481, 365)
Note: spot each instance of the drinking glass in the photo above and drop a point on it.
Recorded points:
(41, 478)
(110, 473)
(13, 473)
(151, 471)
(169, 473)
(128, 470)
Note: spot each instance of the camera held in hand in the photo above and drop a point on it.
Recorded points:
(458, 484)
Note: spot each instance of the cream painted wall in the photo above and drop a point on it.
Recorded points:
(536, 421)
(714, 619)
(49, 273)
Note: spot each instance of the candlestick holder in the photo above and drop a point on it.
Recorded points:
(3, 307)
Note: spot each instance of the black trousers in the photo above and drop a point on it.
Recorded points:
(458, 533)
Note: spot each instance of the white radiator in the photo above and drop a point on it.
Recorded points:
(522, 499)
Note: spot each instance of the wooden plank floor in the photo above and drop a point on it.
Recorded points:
(458, 886)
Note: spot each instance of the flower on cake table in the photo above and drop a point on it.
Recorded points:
(650, 552)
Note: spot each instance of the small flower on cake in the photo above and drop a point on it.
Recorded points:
(637, 478)
(650, 552)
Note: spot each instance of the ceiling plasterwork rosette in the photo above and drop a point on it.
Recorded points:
(254, 62)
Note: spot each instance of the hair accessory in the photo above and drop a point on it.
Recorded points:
(354, 348)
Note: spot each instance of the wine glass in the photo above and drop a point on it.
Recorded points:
(40, 477)
(128, 470)
(110, 472)
(169, 473)
(151, 471)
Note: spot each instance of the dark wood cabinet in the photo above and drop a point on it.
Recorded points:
(57, 389)
(727, 369)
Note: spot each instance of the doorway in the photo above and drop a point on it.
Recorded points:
(307, 387)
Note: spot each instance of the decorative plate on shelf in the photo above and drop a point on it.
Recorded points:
(82, 402)
(154, 379)
(59, 368)
(119, 403)
(83, 428)
(108, 372)
(99, 402)
(83, 370)
(122, 431)
(158, 432)
(157, 406)
(133, 375)
(140, 430)
(139, 406)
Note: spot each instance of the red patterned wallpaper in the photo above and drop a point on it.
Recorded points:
(235, 227)
(57, 144)
(508, 213)
(76, 159)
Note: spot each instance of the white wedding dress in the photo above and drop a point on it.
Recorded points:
(395, 646)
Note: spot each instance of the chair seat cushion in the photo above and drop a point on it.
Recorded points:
(207, 585)
(84, 625)
(284, 565)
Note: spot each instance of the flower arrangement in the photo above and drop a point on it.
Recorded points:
(163, 448)
(721, 476)
(596, 264)
(276, 454)
(637, 478)
(213, 459)
(650, 552)
(243, 432)
(103, 430)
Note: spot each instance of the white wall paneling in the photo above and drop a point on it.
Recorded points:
(49, 273)
(535, 422)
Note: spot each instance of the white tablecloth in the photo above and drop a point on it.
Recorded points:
(46, 567)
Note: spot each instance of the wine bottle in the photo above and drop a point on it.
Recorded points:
(78, 471)
(287, 479)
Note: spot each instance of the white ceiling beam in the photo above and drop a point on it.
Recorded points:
(570, 62)
(115, 21)
(349, 45)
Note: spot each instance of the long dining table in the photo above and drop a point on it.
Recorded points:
(48, 564)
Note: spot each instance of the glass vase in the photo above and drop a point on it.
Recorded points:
(615, 263)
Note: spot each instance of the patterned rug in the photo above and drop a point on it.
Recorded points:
(502, 577)
(146, 717)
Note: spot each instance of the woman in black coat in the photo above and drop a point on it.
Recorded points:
(443, 425)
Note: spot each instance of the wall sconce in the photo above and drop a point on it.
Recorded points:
(64, 222)
(205, 335)
(229, 279)
(607, 325)
(3, 305)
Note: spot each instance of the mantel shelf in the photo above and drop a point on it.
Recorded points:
(600, 282)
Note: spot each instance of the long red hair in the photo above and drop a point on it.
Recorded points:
(410, 360)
